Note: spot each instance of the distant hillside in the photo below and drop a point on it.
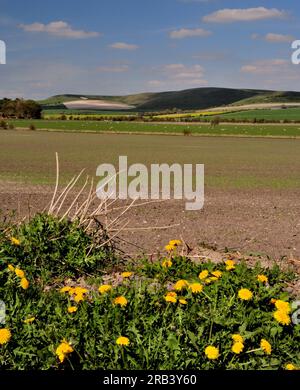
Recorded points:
(189, 99)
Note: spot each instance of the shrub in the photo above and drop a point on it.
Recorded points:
(3, 124)
(32, 127)
(187, 132)
(54, 248)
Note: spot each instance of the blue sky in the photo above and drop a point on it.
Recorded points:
(127, 46)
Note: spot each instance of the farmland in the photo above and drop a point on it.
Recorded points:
(252, 202)
(164, 128)
(289, 114)
(244, 178)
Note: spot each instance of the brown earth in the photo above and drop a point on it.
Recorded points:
(256, 222)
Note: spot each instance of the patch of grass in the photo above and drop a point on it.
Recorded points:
(229, 162)
(129, 127)
(290, 114)
(164, 324)
(52, 248)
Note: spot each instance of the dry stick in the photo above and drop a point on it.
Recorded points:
(141, 204)
(67, 192)
(88, 202)
(62, 194)
(149, 228)
(78, 211)
(123, 212)
(111, 238)
(74, 201)
(67, 189)
(56, 184)
(130, 243)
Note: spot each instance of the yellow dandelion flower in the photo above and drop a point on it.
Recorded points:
(196, 288)
(19, 273)
(63, 350)
(282, 317)
(170, 298)
(237, 347)
(283, 306)
(266, 346)
(123, 341)
(172, 294)
(273, 300)
(213, 278)
(79, 297)
(5, 336)
(65, 289)
(15, 241)
(72, 309)
(237, 338)
(230, 264)
(11, 267)
(121, 300)
(71, 291)
(24, 283)
(217, 274)
(211, 352)
(169, 248)
(262, 278)
(290, 367)
(104, 288)
(29, 320)
(208, 281)
(245, 294)
(175, 243)
(183, 301)
(180, 285)
(126, 274)
(80, 290)
(203, 274)
(166, 264)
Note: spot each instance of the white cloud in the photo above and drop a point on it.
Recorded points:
(124, 46)
(228, 15)
(113, 69)
(278, 38)
(155, 83)
(186, 32)
(265, 66)
(179, 76)
(188, 74)
(59, 29)
(181, 71)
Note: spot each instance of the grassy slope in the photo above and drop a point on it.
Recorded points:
(197, 98)
(289, 114)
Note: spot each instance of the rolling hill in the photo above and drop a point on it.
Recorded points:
(189, 99)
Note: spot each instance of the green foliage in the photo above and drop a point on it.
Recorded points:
(162, 335)
(20, 108)
(53, 248)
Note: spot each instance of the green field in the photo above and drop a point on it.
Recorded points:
(29, 156)
(167, 128)
(270, 115)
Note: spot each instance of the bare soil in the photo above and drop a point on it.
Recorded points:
(254, 222)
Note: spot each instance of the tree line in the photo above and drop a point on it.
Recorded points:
(20, 109)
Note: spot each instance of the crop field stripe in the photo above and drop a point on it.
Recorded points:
(165, 128)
